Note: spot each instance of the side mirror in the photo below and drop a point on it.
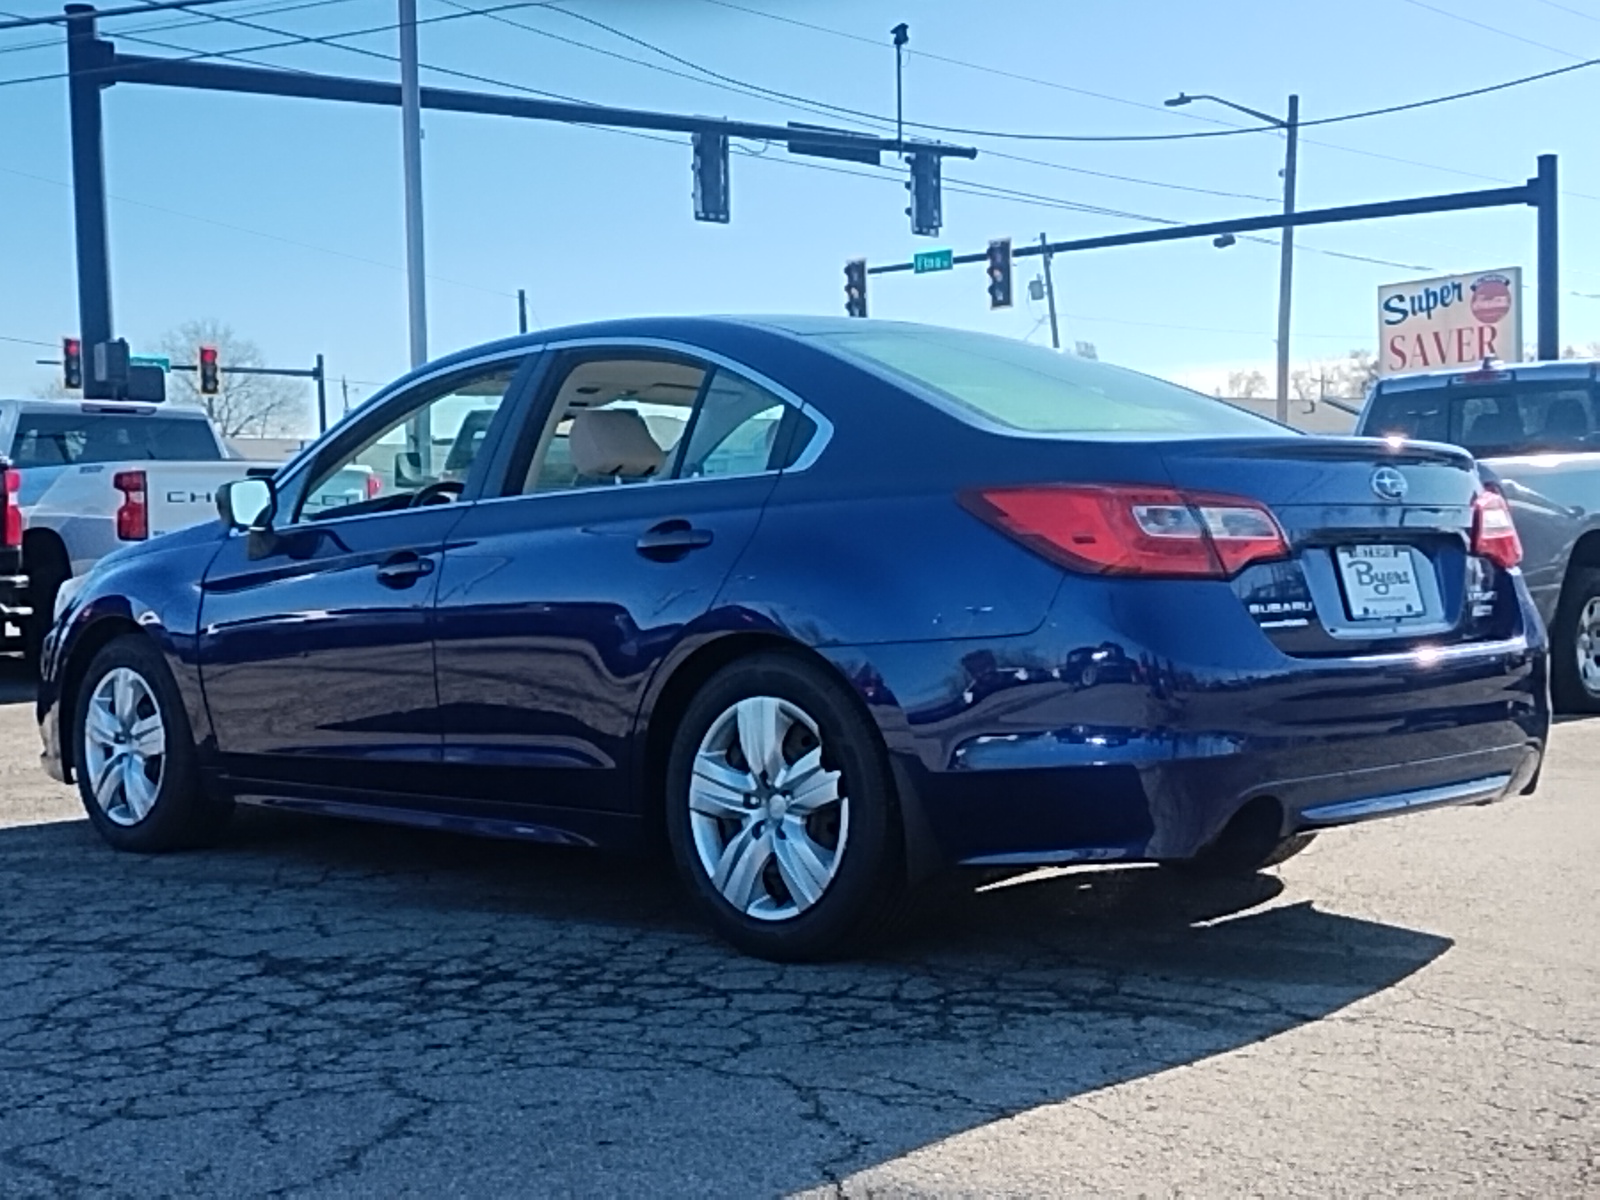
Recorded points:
(247, 503)
(408, 470)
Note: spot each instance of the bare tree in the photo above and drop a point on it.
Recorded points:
(245, 405)
(1246, 385)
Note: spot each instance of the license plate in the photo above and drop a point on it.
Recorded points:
(1380, 582)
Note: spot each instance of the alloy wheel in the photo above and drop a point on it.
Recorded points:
(125, 744)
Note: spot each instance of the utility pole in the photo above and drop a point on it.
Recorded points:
(322, 396)
(411, 142)
(1050, 289)
(1286, 259)
(522, 311)
(344, 388)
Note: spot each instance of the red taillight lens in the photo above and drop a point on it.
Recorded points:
(1494, 536)
(374, 486)
(133, 517)
(1133, 530)
(11, 509)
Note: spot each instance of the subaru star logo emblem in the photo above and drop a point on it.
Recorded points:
(1389, 483)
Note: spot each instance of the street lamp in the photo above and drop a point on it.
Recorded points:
(1291, 128)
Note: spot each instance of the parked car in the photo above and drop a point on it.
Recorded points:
(1536, 428)
(825, 671)
(91, 476)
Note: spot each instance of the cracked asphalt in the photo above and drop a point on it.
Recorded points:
(331, 1009)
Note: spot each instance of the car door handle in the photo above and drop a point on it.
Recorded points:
(672, 539)
(403, 569)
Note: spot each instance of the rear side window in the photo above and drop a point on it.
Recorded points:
(1492, 421)
(1034, 390)
(66, 439)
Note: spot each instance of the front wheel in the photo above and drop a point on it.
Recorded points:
(781, 811)
(1575, 644)
(134, 754)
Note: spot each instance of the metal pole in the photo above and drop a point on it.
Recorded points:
(1050, 291)
(1286, 259)
(84, 55)
(344, 388)
(411, 140)
(322, 397)
(901, 34)
(522, 311)
(1549, 295)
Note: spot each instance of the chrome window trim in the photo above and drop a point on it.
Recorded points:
(808, 457)
(377, 399)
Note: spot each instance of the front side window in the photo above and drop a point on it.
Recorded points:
(1034, 390)
(428, 447)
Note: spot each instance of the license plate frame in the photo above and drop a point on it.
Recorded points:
(1381, 582)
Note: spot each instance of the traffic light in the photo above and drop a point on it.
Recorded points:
(1000, 273)
(72, 363)
(926, 208)
(855, 287)
(210, 383)
(711, 177)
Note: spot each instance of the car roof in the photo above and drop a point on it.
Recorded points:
(186, 412)
(1525, 372)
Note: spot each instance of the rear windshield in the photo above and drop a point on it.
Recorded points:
(62, 439)
(1491, 420)
(1035, 390)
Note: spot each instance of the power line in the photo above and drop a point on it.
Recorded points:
(269, 10)
(21, 22)
(1173, 112)
(743, 87)
(1505, 33)
(1568, 9)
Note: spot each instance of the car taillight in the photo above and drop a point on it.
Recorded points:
(1132, 530)
(133, 517)
(374, 486)
(11, 510)
(1494, 536)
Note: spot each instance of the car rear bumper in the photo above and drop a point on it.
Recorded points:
(1150, 762)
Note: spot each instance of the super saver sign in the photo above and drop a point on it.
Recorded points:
(1458, 320)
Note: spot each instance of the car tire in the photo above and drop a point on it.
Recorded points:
(44, 581)
(140, 752)
(804, 825)
(1575, 644)
(1235, 861)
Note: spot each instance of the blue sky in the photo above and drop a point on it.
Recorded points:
(284, 217)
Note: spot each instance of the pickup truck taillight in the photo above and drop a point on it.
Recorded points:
(133, 517)
(11, 509)
(374, 486)
(1493, 535)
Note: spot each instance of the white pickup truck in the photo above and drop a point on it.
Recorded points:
(85, 477)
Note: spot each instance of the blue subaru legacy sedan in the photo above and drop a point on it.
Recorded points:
(827, 607)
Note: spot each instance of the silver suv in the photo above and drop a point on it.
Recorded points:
(1536, 427)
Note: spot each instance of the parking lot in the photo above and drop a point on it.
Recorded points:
(336, 1009)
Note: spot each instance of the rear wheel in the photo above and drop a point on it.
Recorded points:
(1575, 644)
(134, 754)
(781, 811)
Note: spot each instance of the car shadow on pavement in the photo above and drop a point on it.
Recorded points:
(331, 1008)
(17, 685)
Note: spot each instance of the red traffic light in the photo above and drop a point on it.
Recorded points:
(210, 380)
(72, 362)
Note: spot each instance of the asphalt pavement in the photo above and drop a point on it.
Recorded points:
(335, 1009)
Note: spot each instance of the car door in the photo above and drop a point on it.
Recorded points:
(642, 477)
(315, 646)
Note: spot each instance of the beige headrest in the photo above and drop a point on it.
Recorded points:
(607, 442)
